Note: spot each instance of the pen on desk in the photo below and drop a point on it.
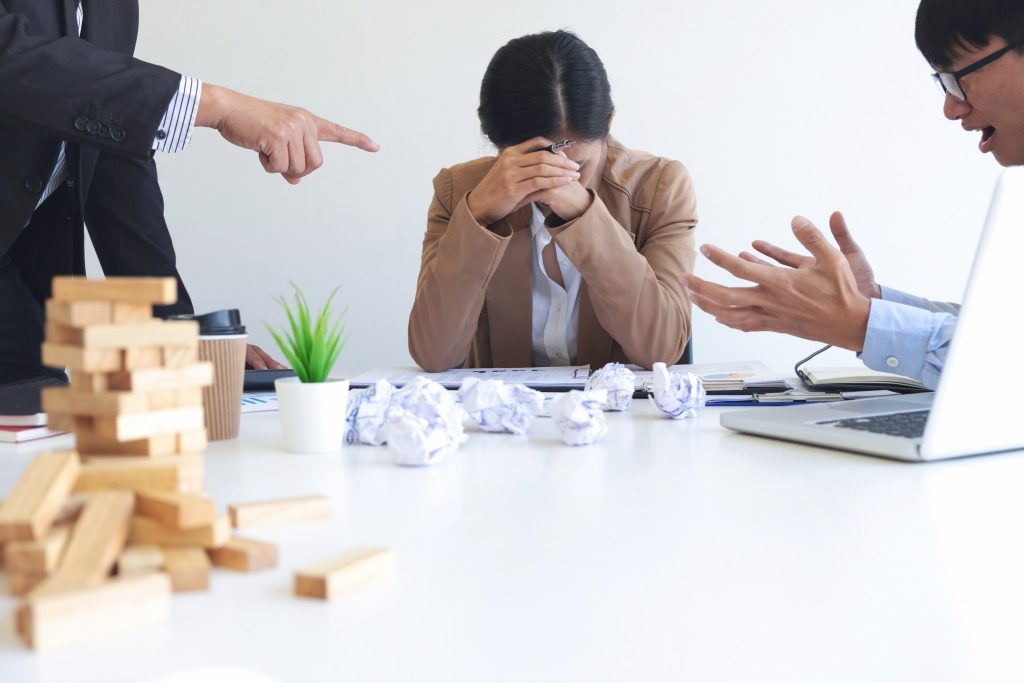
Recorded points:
(555, 147)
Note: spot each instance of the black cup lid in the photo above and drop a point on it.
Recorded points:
(217, 323)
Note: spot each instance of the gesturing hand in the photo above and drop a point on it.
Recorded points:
(520, 171)
(817, 298)
(287, 138)
(859, 265)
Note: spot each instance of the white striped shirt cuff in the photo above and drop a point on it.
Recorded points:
(175, 130)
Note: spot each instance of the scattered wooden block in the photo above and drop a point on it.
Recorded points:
(79, 313)
(39, 557)
(33, 504)
(283, 511)
(87, 360)
(179, 473)
(146, 530)
(189, 569)
(128, 290)
(162, 379)
(139, 559)
(122, 605)
(141, 358)
(124, 313)
(244, 555)
(97, 540)
(89, 443)
(176, 510)
(335, 577)
(71, 509)
(181, 355)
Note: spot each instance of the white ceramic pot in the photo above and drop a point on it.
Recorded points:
(312, 415)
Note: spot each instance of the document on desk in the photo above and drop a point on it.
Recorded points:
(738, 377)
(543, 379)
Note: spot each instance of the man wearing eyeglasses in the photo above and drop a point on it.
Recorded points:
(831, 296)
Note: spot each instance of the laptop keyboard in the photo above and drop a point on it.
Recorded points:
(909, 425)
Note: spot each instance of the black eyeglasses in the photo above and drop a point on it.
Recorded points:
(950, 82)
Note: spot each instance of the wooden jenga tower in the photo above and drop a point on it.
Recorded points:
(136, 382)
(135, 407)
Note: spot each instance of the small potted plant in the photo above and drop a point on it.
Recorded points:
(312, 404)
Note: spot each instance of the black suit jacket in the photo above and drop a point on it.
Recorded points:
(107, 105)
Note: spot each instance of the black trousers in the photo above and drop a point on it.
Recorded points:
(50, 245)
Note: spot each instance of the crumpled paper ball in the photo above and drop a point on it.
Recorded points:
(677, 394)
(424, 424)
(579, 417)
(367, 413)
(498, 407)
(620, 383)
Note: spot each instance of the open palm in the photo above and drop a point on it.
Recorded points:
(862, 270)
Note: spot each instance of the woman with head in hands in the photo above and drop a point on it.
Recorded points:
(566, 248)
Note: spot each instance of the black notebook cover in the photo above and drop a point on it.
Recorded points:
(25, 398)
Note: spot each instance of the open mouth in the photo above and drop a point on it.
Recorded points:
(986, 138)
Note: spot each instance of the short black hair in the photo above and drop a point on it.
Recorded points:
(945, 27)
(542, 84)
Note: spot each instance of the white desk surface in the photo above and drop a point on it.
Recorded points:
(670, 551)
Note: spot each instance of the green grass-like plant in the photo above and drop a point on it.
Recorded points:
(311, 345)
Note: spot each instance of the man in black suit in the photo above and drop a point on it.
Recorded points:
(80, 121)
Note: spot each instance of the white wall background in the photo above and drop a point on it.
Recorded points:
(777, 108)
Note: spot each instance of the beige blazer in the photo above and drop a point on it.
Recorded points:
(474, 295)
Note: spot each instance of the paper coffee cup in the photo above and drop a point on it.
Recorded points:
(222, 342)
(222, 401)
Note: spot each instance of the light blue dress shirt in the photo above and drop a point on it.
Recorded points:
(909, 335)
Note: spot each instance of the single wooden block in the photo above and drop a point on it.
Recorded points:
(23, 582)
(180, 398)
(177, 473)
(181, 355)
(121, 605)
(189, 568)
(143, 357)
(88, 382)
(335, 577)
(283, 511)
(90, 443)
(123, 313)
(67, 401)
(146, 530)
(144, 425)
(245, 555)
(88, 360)
(139, 559)
(163, 379)
(176, 510)
(97, 540)
(64, 335)
(39, 557)
(33, 504)
(128, 290)
(79, 313)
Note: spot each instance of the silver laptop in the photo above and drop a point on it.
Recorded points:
(978, 406)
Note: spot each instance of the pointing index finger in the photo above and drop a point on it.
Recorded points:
(328, 131)
(745, 270)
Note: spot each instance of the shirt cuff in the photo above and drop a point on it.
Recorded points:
(898, 338)
(175, 129)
